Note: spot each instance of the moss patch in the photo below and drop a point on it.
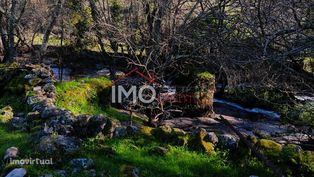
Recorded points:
(82, 96)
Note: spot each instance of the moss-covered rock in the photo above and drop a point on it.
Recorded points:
(269, 148)
(145, 130)
(170, 135)
(292, 153)
(307, 162)
(6, 114)
(197, 142)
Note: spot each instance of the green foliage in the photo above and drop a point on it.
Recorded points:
(302, 114)
(116, 8)
(207, 76)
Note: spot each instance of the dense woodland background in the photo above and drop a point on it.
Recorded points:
(256, 43)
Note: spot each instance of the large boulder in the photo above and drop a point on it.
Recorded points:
(197, 141)
(269, 148)
(6, 114)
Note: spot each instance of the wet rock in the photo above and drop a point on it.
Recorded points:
(18, 172)
(56, 145)
(82, 163)
(6, 114)
(49, 87)
(11, 153)
(211, 137)
(119, 132)
(159, 151)
(228, 141)
(132, 130)
(197, 141)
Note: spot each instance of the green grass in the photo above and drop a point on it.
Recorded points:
(88, 96)
(179, 161)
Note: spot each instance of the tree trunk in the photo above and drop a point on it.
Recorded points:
(51, 24)
(95, 16)
(10, 49)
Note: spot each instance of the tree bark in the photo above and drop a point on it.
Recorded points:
(10, 50)
(51, 24)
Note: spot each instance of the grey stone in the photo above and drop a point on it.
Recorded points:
(17, 172)
(30, 76)
(52, 145)
(11, 153)
(34, 99)
(228, 141)
(18, 123)
(49, 88)
(82, 163)
(119, 132)
(211, 137)
(132, 130)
